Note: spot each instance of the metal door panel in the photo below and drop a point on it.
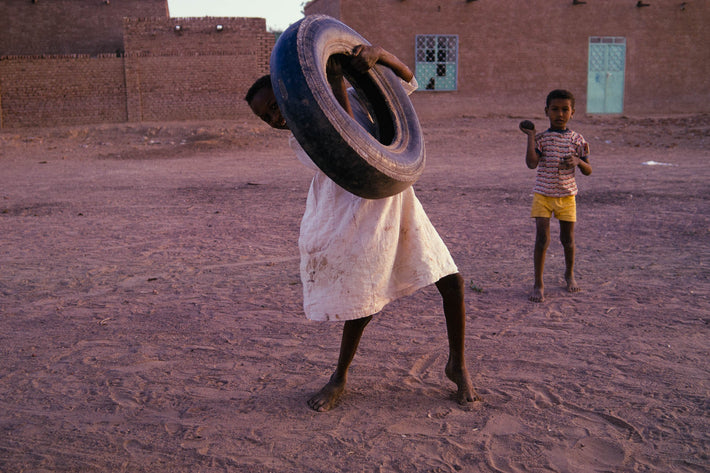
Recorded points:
(605, 78)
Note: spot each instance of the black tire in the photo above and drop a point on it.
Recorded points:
(369, 165)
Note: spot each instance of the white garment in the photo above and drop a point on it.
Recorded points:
(357, 255)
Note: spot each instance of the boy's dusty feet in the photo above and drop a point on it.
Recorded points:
(572, 285)
(460, 376)
(537, 294)
(327, 397)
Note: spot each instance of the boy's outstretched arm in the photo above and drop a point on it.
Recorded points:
(365, 57)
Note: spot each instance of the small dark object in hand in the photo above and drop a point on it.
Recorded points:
(527, 124)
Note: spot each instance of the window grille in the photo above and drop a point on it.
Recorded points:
(437, 61)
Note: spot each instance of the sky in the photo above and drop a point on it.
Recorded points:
(278, 13)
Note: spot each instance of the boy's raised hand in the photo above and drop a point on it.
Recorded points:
(527, 127)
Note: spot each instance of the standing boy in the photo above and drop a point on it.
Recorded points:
(556, 153)
(357, 255)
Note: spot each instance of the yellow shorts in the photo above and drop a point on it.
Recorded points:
(564, 208)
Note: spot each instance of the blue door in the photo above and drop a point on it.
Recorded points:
(605, 78)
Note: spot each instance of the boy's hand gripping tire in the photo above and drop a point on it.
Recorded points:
(373, 164)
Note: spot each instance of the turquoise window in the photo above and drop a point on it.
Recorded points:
(436, 65)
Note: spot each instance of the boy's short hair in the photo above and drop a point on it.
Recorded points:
(260, 83)
(559, 94)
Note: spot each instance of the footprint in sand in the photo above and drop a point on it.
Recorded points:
(124, 398)
(196, 439)
(555, 434)
(595, 452)
(602, 448)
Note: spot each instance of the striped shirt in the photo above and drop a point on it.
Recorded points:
(552, 146)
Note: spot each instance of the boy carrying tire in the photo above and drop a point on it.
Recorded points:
(357, 255)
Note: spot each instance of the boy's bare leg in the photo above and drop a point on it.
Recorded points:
(328, 396)
(567, 239)
(542, 241)
(451, 288)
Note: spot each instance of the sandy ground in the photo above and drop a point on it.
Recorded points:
(151, 321)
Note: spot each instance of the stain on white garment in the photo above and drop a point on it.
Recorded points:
(316, 264)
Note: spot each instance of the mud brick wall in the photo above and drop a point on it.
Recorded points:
(61, 90)
(200, 70)
(194, 73)
(92, 27)
(333, 8)
(512, 52)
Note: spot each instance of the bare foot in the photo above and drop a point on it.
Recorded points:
(572, 285)
(537, 294)
(327, 397)
(460, 376)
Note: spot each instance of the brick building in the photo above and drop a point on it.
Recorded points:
(503, 56)
(36, 27)
(68, 62)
